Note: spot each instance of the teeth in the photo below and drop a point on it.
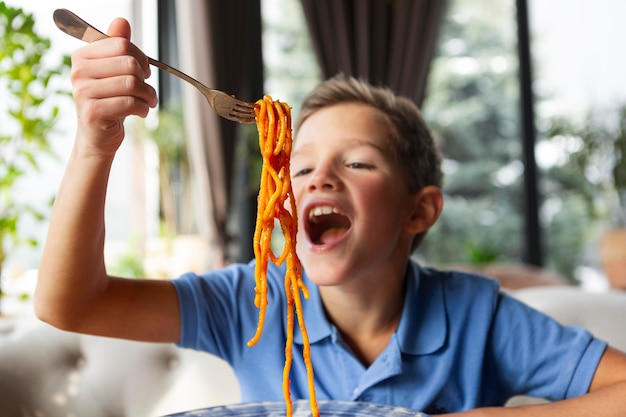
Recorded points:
(322, 210)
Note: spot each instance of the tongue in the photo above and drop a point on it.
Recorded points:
(331, 235)
(327, 229)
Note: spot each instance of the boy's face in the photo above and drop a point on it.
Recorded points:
(352, 197)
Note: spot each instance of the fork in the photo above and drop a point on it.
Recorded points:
(224, 105)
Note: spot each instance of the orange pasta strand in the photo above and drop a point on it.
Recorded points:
(273, 119)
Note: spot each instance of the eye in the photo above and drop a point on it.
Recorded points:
(359, 165)
(300, 172)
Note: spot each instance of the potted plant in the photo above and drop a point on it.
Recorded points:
(27, 115)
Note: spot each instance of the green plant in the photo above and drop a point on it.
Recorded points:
(619, 164)
(27, 115)
(601, 159)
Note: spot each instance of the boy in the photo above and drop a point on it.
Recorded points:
(366, 180)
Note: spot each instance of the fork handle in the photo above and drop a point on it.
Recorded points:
(76, 27)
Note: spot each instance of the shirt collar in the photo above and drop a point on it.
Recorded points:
(422, 329)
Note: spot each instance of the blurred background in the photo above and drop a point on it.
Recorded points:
(529, 118)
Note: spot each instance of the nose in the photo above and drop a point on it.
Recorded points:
(324, 177)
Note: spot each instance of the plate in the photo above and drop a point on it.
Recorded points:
(301, 409)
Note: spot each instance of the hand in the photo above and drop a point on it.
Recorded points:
(108, 78)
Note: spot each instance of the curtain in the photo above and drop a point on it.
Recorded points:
(388, 42)
(220, 45)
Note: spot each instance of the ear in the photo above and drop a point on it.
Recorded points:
(426, 208)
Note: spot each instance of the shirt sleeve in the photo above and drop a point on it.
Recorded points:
(535, 355)
(217, 310)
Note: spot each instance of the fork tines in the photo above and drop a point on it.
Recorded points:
(243, 111)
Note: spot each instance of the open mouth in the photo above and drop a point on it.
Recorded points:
(326, 224)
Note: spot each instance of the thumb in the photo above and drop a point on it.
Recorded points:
(119, 28)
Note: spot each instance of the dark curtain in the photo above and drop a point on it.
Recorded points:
(388, 42)
(219, 44)
(235, 38)
(236, 42)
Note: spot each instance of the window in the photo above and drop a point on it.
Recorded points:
(472, 104)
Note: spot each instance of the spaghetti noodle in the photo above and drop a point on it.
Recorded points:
(273, 119)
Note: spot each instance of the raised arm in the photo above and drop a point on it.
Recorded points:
(73, 290)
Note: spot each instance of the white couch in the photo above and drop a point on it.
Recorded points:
(45, 372)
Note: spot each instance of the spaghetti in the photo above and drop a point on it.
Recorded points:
(273, 119)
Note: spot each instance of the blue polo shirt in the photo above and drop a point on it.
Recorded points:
(460, 344)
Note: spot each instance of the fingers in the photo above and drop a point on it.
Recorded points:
(114, 97)
(121, 28)
(117, 45)
(109, 83)
(117, 75)
(110, 69)
(99, 68)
